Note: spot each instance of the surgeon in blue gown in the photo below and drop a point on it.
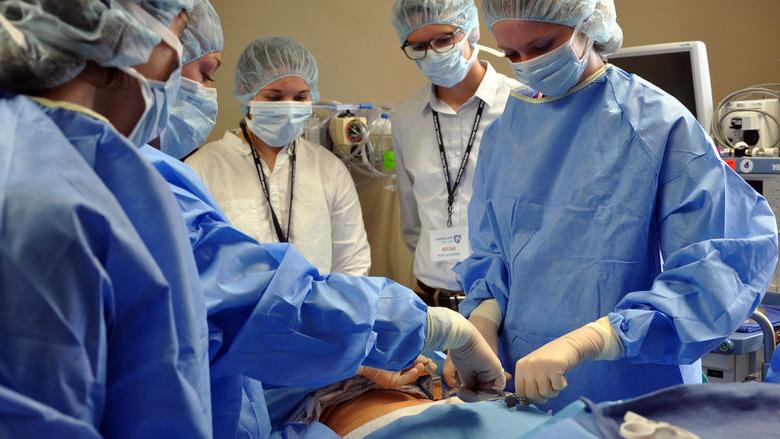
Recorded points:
(272, 316)
(104, 330)
(236, 272)
(612, 247)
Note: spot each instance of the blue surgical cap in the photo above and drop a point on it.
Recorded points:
(601, 15)
(164, 10)
(267, 59)
(203, 34)
(410, 15)
(46, 43)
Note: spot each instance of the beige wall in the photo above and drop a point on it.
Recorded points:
(357, 52)
(359, 59)
(742, 37)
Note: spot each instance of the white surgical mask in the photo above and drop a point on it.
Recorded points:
(555, 72)
(278, 123)
(448, 68)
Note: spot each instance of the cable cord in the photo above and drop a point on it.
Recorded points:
(762, 91)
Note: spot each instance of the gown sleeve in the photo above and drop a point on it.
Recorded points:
(718, 241)
(485, 273)
(274, 318)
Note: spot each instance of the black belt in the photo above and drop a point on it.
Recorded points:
(440, 296)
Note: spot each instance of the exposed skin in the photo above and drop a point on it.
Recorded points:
(289, 88)
(203, 69)
(461, 92)
(88, 91)
(392, 380)
(525, 40)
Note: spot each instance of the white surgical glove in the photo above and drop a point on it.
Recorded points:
(487, 319)
(541, 374)
(478, 366)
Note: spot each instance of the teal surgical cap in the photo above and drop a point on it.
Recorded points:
(410, 15)
(203, 34)
(267, 59)
(600, 15)
(45, 43)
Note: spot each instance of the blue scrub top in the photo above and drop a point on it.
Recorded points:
(274, 318)
(612, 201)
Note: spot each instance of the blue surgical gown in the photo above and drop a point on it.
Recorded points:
(274, 318)
(612, 201)
(101, 337)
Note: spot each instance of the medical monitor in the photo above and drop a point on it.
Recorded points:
(680, 69)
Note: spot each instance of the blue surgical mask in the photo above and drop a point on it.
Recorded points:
(278, 123)
(157, 98)
(555, 72)
(157, 95)
(448, 68)
(192, 117)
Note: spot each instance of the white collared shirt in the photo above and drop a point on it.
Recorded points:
(421, 185)
(327, 222)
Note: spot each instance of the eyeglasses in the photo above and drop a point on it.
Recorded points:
(440, 44)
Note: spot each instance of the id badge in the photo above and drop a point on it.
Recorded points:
(449, 244)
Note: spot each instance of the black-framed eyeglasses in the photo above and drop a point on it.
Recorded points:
(440, 44)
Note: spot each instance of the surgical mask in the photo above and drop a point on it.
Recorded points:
(278, 123)
(157, 95)
(448, 68)
(555, 72)
(192, 117)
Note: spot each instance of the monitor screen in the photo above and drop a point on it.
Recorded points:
(671, 72)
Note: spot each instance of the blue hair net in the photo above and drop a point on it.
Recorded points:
(203, 34)
(267, 59)
(164, 10)
(410, 15)
(601, 14)
(45, 43)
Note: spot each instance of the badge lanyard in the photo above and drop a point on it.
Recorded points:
(452, 188)
(264, 184)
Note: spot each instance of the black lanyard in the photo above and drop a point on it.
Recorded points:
(264, 184)
(452, 188)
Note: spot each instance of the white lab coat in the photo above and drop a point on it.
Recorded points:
(327, 222)
(421, 185)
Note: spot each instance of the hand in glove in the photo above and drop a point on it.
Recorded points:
(542, 373)
(478, 366)
(487, 319)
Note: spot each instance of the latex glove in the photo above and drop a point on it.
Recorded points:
(542, 373)
(487, 318)
(392, 380)
(488, 328)
(479, 369)
(478, 366)
(450, 374)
